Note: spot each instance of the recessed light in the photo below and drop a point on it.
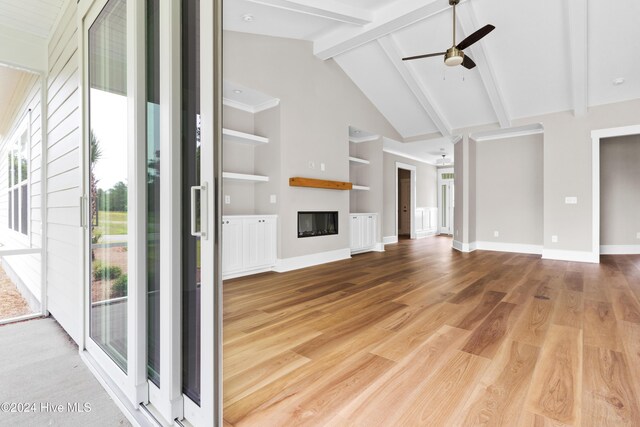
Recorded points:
(247, 18)
(618, 81)
(238, 91)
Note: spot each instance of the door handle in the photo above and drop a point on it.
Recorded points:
(203, 210)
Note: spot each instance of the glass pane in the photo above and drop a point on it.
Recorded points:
(9, 209)
(16, 209)
(108, 180)
(24, 170)
(191, 177)
(153, 189)
(16, 169)
(9, 183)
(24, 209)
(444, 205)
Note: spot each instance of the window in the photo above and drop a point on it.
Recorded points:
(18, 180)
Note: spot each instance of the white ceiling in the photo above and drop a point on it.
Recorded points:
(36, 17)
(544, 55)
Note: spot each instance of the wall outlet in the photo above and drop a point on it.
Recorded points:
(312, 164)
(322, 168)
(554, 239)
(638, 235)
(572, 200)
(496, 234)
(227, 199)
(272, 198)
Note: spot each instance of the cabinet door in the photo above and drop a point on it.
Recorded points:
(259, 242)
(231, 245)
(368, 231)
(356, 231)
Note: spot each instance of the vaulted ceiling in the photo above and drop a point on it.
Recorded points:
(545, 56)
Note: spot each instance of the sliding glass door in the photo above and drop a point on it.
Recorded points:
(151, 166)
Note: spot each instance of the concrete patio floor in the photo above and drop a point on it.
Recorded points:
(40, 367)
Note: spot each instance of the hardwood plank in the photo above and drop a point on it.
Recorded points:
(498, 399)
(631, 339)
(445, 393)
(534, 322)
(600, 328)
(573, 281)
(489, 301)
(625, 305)
(609, 398)
(555, 390)
(486, 339)
(529, 419)
(569, 309)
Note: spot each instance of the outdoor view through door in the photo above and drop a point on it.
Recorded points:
(108, 180)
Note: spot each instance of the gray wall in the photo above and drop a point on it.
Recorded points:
(509, 186)
(620, 190)
(426, 187)
(458, 187)
(318, 103)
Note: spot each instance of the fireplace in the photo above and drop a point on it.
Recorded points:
(313, 224)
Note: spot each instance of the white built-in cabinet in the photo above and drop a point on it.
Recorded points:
(248, 244)
(363, 228)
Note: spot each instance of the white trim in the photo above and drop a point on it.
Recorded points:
(388, 20)
(578, 52)
(425, 233)
(230, 135)
(464, 247)
(379, 247)
(412, 213)
(329, 9)
(253, 109)
(509, 247)
(410, 76)
(389, 240)
(133, 414)
(407, 156)
(235, 275)
(232, 176)
(359, 160)
(620, 249)
(492, 135)
(596, 136)
(296, 263)
(574, 256)
(469, 24)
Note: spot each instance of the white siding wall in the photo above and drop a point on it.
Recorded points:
(64, 175)
(25, 268)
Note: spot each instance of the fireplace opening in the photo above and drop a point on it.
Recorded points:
(312, 224)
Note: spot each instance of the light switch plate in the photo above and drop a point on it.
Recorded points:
(638, 235)
(322, 167)
(312, 164)
(496, 234)
(227, 199)
(272, 198)
(571, 200)
(554, 239)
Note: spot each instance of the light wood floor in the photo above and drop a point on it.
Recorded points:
(424, 336)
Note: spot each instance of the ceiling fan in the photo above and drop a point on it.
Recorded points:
(455, 55)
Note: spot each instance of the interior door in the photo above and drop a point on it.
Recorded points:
(445, 197)
(405, 207)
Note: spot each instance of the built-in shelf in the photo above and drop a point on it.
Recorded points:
(360, 187)
(229, 135)
(358, 160)
(244, 177)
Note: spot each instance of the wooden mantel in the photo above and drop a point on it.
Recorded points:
(319, 183)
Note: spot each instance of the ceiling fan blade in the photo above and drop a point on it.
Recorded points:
(475, 36)
(428, 55)
(468, 63)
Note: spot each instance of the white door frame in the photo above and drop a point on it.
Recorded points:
(596, 137)
(413, 169)
(441, 208)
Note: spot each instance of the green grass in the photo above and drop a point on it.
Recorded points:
(112, 223)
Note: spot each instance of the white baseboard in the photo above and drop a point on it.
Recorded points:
(246, 273)
(620, 249)
(296, 263)
(379, 247)
(509, 247)
(464, 247)
(389, 240)
(575, 256)
(425, 233)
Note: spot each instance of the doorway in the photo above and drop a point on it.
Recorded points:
(446, 202)
(404, 203)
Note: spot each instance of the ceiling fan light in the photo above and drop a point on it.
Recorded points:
(453, 57)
